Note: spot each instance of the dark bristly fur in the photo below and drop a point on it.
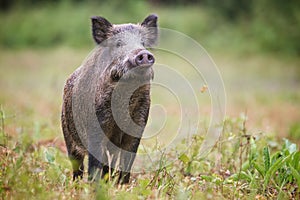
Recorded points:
(112, 71)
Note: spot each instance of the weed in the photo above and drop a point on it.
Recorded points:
(3, 136)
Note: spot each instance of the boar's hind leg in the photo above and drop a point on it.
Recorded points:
(105, 171)
(77, 164)
(75, 153)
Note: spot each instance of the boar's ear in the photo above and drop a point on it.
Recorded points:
(151, 33)
(100, 27)
(150, 21)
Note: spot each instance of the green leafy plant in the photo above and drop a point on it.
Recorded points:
(278, 171)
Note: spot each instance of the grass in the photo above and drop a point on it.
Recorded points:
(237, 168)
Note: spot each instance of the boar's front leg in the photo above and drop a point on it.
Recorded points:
(95, 156)
(94, 167)
(129, 144)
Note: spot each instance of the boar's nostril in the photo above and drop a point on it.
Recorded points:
(144, 58)
(150, 58)
(140, 58)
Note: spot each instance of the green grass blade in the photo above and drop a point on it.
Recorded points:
(253, 151)
(184, 158)
(275, 156)
(241, 176)
(245, 176)
(279, 163)
(295, 174)
(245, 165)
(260, 169)
(266, 156)
(296, 161)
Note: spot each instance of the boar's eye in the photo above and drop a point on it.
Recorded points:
(114, 75)
(119, 43)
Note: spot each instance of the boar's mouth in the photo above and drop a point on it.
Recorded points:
(130, 72)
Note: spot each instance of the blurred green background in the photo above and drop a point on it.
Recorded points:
(255, 25)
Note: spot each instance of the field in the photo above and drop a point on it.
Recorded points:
(256, 157)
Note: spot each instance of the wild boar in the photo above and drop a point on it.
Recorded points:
(106, 100)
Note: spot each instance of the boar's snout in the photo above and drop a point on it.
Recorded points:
(144, 59)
